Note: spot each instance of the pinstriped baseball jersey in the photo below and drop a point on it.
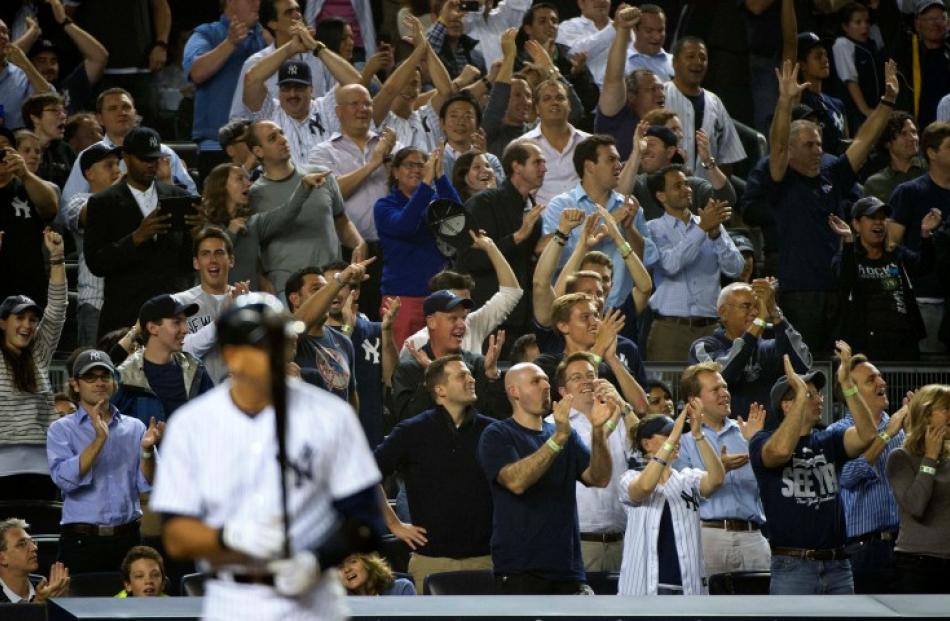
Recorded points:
(219, 464)
(639, 573)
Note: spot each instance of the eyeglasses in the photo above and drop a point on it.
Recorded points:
(92, 378)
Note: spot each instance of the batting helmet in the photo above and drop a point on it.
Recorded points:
(248, 319)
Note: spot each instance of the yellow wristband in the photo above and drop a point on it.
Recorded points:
(554, 446)
(625, 250)
(928, 470)
(346, 329)
(884, 436)
(611, 425)
(597, 359)
(667, 447)
(849, 392)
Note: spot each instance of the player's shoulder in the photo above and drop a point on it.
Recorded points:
(311, 399)
(208, 408)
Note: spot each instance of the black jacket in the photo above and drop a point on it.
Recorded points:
(132, 274)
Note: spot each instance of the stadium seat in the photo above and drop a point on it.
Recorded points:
(43, 516)
(755, 145)
(193, 585)
(95, 584)
(471, 582)
(603, 582)
(740, 583)
(23, 612)
(396, 552)
(48, 550)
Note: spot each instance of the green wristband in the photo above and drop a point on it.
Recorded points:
(554, 446)
(849, 392)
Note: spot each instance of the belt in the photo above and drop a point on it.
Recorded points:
(698, 322)
(828, 554)
(602, 537)
(265, 578)
(731, 525)
(96, 530)
(881, 535)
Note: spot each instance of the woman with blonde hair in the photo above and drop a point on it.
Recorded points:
(370, 574)
(919, 474)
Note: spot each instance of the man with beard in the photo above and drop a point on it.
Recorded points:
(732, 518)
(533, 466)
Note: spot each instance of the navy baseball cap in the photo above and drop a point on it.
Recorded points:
(294, 72)
(743, 243)
(95, 154)
(663, 133)
(450, 224)
(91, 359)
(443, 301)
(806, 42)
(17, 304)
(654, 425)
(164, 307)
(144, 143)
(43, 45)
(781, 391)
(868, 206)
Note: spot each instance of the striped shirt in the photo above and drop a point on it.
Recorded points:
(90, 286)
(640, 570)
(869, 503)
(25, 416)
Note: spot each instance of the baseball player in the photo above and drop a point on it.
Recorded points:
(219, 484)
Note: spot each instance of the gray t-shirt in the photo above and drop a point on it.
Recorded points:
(312, 240)
(209, 308)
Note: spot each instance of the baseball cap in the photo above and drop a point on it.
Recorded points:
(663, 133)
(443, 301)
(868, 206)
(804, 112)
(294, 72)
(806, 41)
(90, 359)
(923, 5)
(743, 243)
(16, 304)
(781, 391)
(164, 307)
(95, 154)
(449, 223)
(144, 143)
(654, 425)
(43, 45)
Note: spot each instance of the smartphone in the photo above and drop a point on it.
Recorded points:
(470, 6)
(179, 207)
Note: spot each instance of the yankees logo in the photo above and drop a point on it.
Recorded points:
(302, 467)
(371, 350)
(691, 500)
(21, 207)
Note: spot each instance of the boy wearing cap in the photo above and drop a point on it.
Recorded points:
(797, 469)
(100, 167)
(815, 68)
(923, 59)
(157, 380)
(129, 241)
(883, 318)
(102, 460)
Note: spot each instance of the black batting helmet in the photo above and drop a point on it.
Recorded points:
(248, 320)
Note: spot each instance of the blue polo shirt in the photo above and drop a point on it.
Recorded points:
(14, 89)
(213, 96)
(909, 203)
(800, 206)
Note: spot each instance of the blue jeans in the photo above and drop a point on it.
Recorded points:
(795, 576)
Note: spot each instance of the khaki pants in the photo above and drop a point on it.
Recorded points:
(670, 341)
(728, 551)
(421, 566)
(599, 556)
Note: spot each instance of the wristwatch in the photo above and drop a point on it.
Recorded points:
(710, 163)
(319, 47)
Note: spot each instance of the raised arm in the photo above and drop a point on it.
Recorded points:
(789, 31)
(541, 288)
(352, 180)
(390, 356)
(862, 433)
(255, 89)
(318, 305)
(597, 474)
(397, 81)
(613, 94)
(162, 24)
(779, 448)
(519, 476)
(628, 175)
(640, 488)
(95, 56)
(788, 91)
(37, 82)
(873, 127)
(209, 60)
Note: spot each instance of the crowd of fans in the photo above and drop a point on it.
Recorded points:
(486, 220)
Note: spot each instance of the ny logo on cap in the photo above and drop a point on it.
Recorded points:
(292, 70)
(94, 355)
(153, 142)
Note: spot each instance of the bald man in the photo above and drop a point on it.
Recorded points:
(533, 466)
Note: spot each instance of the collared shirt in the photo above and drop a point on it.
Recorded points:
(454, 58)
(582, 36)
(883, 183)
(687, 274)
(660, 63)
(318, 71)
(561, 175)
(622, 281)
(738, 498)
(90, 286)
(213, 96)
(869, 503)
(421, 129)
(487, 30)
(599, 510)
(13, 598)
(14, 89)
(147, 200)
(77, 181)
(342, 156)
(303, 134)
(724, 143)
(108, 494)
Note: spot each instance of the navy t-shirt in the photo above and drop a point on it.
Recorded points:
(331, 355)
(801, 498)
(168, 383)
(909, 203)
(535, 532)
(801, 206)
(831, 117)
(621, 126)
(368, 347)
